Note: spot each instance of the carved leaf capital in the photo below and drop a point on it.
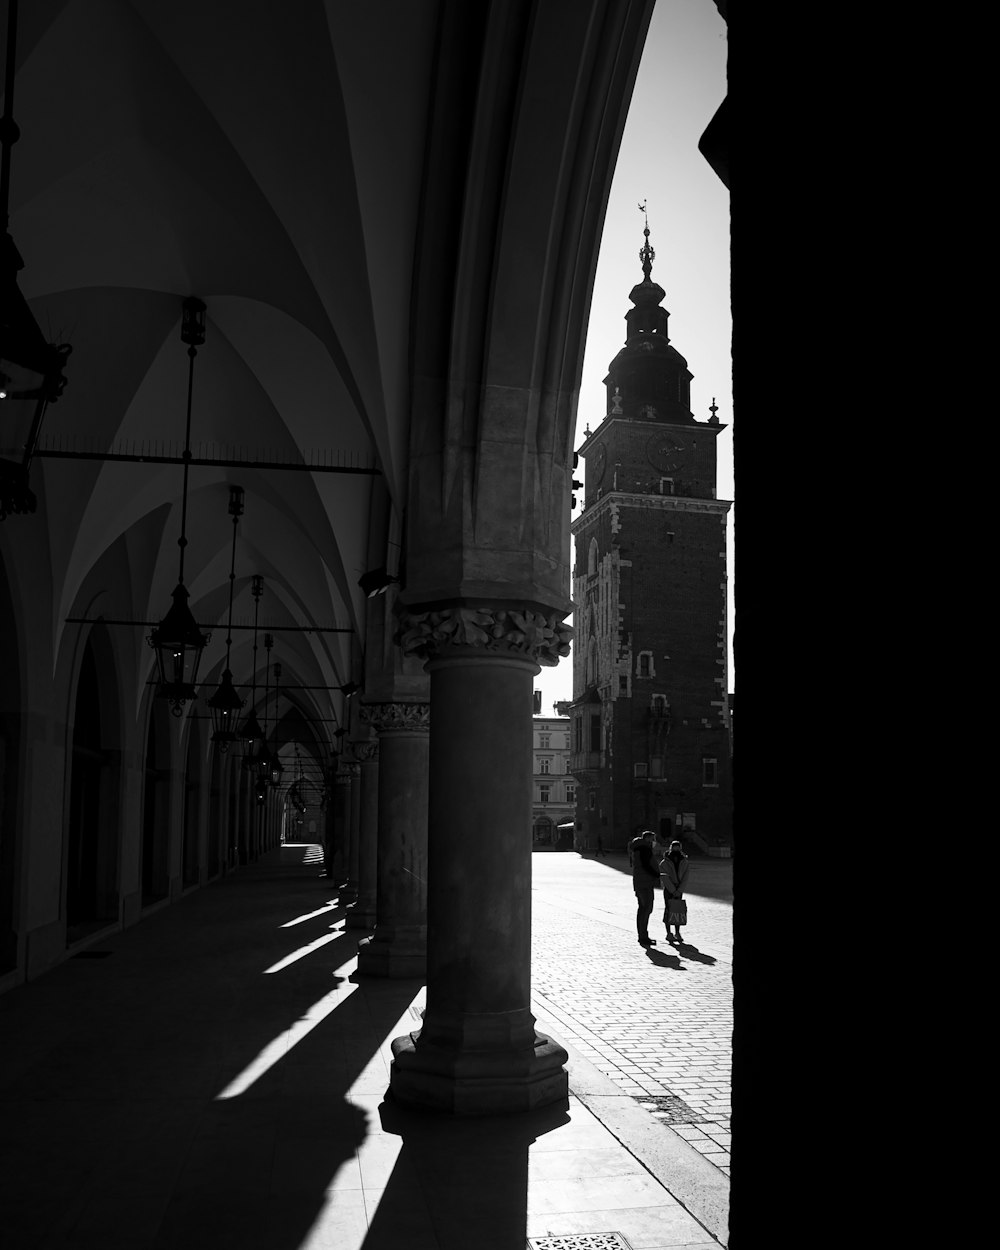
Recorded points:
(502, 630)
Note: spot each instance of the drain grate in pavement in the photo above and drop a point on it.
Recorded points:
(670, 1108)
(580, 1241)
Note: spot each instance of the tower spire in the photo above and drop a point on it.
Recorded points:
(646, 253)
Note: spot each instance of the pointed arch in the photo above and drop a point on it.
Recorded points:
(92, 886)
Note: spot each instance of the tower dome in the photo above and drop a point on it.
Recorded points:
(648, 379)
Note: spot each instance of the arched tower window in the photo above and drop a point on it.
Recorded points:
(592, 556)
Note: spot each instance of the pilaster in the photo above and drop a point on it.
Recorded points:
(398, 946)
(363, 912)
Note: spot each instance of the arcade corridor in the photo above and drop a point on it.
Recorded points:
(215, 1078)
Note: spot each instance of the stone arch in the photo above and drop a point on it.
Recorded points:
(155, 856)
(217, 815)
(10, 760)
(91, 842)
(191, 816)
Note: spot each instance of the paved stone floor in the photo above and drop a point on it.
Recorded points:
(659, 1023)
(215, 1078)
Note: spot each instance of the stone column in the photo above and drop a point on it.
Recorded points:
(478, 1052)
(329, 832)
(349, 893)
(362, 914)
(341, 820)
(398, 947)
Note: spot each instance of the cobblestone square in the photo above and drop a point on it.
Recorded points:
(657, 1023)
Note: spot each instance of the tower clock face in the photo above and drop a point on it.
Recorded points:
(664, 452)
(600, 462)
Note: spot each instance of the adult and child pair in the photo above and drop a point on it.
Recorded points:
(670, 873)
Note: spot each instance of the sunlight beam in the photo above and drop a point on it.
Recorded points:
(333, 903)
(303, 951)
(276, 1050)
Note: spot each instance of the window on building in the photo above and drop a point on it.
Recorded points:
(578, 731)
(645, 668)
(544, 766)
(656, 766)
(592, 800)
(595, 733)
(543, 741)
(666, 485)
(640, 770)
(571, 794)
(543, 830)
(592, 556)
(709, 772)
(543, 793)
(623, 685)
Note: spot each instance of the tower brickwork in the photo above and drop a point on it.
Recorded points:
(651, 742)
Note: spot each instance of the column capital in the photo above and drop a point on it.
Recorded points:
(415, 717)
(507, 629)
(365, 752)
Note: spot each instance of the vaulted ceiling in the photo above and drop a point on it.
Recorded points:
(277, 162)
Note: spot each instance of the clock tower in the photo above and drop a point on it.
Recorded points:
(651, 741)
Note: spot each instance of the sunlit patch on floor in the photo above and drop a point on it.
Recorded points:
(313, 852)
(276, 1050)
(311, 915)
(581, 1241)
(302, 952)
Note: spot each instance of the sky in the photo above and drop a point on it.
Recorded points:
(680, 84)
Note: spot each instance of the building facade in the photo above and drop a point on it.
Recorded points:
(651, 742)
(553, 784)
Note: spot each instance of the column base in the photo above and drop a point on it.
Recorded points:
(478, 1082)
(361, 915)
(401, 956)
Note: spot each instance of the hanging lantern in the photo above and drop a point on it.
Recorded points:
(276, 769)
(251, 736)
(225, 706)
(31, 376)
(31, 370)
(178, 644)
(275, 766)
(261, 763)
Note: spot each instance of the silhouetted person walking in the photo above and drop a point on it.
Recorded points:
(645, 879)
(600, 848)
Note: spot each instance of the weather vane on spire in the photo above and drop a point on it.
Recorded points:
(646, 254)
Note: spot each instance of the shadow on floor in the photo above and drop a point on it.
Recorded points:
(458, 1183)
(187, 1091)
